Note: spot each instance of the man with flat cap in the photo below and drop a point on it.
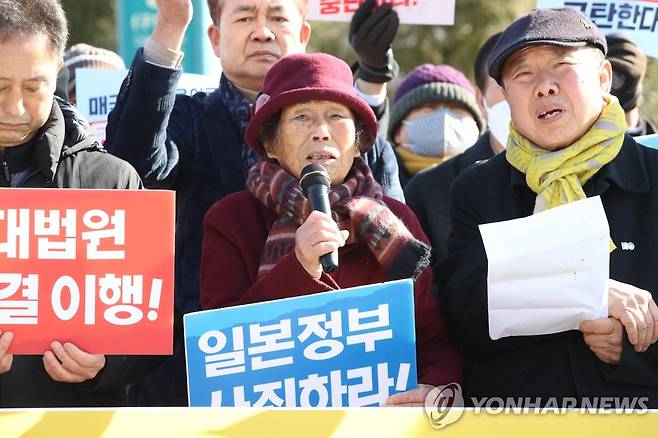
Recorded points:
(567, 141)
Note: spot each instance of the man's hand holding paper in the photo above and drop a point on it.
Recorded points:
(636, 310)
(549, 273)
(604, 337)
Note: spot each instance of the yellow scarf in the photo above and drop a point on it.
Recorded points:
(557, 177)
(415, 163)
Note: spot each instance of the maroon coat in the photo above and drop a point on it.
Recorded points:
(234, 233)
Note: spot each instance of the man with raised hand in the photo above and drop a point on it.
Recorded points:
(195, 145)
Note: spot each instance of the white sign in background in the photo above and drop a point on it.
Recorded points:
(97, 90)
(637, 19)
(434, 12)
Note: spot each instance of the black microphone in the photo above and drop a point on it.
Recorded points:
(315, 182)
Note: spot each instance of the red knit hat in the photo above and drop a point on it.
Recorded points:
(302, 78)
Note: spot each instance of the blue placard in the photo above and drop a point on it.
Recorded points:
(650, 141)
(352, 347)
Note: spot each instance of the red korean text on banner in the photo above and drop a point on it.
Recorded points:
(329, 7)
(90, 267)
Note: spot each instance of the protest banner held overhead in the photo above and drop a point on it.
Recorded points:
(433, 12)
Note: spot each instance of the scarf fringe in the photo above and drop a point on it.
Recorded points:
(412, 259)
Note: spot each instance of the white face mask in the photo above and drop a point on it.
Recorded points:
(498, 120)
(441, 133)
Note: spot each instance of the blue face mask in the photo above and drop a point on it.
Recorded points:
(441, 133)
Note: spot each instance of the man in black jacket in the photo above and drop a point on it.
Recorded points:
(567, 141)
(44, 142)
(427, 192)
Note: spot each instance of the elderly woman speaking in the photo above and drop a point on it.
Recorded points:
(264, 243)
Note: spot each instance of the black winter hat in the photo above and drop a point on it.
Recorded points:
(629, 65)
(566, 27)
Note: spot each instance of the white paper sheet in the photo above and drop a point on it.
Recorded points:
(549, 271)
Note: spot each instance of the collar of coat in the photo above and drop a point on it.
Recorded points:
(627, 171)
(64, 133)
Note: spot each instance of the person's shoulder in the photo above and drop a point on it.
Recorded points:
(436, 175)
(648, 157)
(209, 103)
(444, 173)
(485, 179)
(100, 169)
(647, 151)
(195, 102)
(101, 157)
(233, 200)
(238, 203)
(484, 170)
(400, 209)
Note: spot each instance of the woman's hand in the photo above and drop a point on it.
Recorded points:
(413, 397)
(317, 236)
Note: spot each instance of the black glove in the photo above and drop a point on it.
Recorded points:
(371, 35)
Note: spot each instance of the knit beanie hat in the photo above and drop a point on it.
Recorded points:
(430, 83)
(86, 56)
(629, 65)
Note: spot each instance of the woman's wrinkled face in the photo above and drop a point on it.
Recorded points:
(316, 132)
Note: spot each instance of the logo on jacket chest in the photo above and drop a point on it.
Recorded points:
(627, 246)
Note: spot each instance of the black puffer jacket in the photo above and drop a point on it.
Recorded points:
(63, 155)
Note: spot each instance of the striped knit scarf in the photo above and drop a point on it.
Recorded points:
(557, 177)
(356, 205)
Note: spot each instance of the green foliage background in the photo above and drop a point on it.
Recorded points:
(92, 21)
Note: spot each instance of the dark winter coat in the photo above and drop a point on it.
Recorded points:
(427, 193)
(63, 155)
(191, 145)
(559, 365)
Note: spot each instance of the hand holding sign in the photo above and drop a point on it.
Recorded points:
(5, 359)
(413, 397)
(67, 363)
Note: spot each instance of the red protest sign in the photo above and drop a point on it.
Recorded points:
(90, 267)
